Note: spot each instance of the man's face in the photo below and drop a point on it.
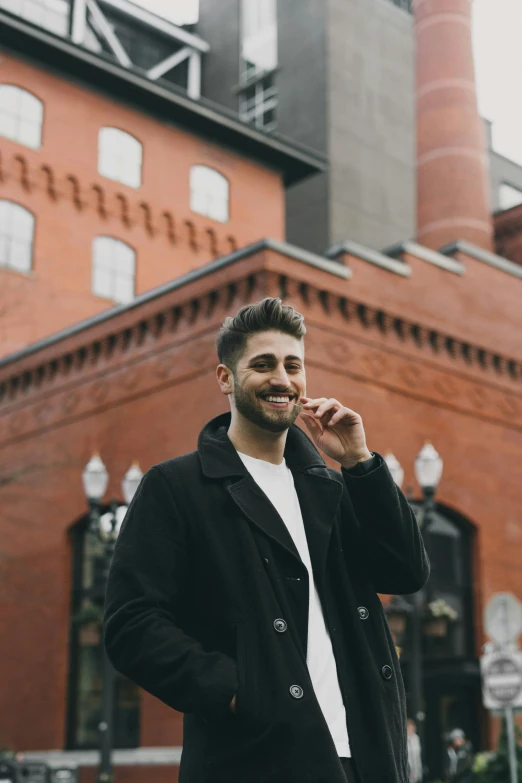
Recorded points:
(269, 380)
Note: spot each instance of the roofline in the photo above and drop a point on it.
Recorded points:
(295, 161)
(304, 256)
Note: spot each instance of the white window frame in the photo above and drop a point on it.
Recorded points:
(109, 277)
(264, 100)
(16, 237)
(21, 116)
(120, 156)
(209, 193)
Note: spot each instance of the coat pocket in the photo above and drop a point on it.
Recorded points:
(249, 696)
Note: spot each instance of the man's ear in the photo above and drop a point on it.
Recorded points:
(225, 379)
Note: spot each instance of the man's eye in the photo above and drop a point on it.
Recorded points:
(293, 367)
(261, 366)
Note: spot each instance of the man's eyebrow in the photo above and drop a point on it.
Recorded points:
(271, 357)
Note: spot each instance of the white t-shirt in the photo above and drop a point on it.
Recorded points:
(277, 483)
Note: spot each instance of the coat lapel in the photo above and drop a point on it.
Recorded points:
(259, 510)
(319, 497)
(318, 491)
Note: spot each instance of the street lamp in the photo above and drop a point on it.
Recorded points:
(106, 526)
(428, 471)
(395, 468)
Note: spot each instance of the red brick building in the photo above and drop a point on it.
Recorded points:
(422, 340)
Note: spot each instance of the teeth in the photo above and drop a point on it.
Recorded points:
(278, 399)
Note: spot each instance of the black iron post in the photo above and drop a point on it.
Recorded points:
(106, 725)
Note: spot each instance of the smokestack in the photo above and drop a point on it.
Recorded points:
(452, 163)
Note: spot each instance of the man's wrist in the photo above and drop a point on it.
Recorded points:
(351, 460)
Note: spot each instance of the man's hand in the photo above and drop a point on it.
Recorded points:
(233, 705)
(336, 430)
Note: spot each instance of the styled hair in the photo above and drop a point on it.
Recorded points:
(266, 315)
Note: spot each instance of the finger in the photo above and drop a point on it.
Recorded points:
(328, 405)
(345, 413)
(315, 403)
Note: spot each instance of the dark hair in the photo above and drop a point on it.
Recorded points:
(264, 316)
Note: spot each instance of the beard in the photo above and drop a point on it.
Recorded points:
(249, 405)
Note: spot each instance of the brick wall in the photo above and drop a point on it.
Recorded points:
(72, 203)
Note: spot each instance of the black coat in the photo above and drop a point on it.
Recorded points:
(204, 567)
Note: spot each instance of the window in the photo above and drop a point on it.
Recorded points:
(509, 196)
(258, 103)
(86, 667)
(209, 193)
(258, 93)
(258, 37)
(113, 269)
(16, 237)
(21, 116)
(119, 156)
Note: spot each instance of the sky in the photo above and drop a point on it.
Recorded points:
(497, 31)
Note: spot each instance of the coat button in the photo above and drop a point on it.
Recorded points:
(387, 672)
(280, 625)
(296, 691)
(363, 612)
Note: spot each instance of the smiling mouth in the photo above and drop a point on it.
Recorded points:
(279, 400)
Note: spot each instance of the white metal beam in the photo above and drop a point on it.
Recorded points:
(194, 76)
(79, 21)
(168, 63)
(109, 35)
(151, 20)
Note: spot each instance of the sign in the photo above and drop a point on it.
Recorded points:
(503, 618)
(501, 680)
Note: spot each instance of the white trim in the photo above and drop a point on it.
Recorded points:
(168, 63)
(311, 259)
(474, 251)
(194, 76)
(151, 20)
(108, 33)
(91, 758)
(426, 254)
(372, 256)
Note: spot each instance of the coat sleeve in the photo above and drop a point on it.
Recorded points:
(142, 638)
(393, 548)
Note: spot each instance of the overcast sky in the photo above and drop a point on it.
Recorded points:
(498, 56)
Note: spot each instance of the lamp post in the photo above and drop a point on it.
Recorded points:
(428, 471)
(106, 526)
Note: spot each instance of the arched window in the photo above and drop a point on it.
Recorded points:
(113, 269)
(16, 236)
(209, 193)
(119, 156)
(86, 664)
(21, 116)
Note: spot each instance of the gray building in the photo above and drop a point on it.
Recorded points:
(337, 76)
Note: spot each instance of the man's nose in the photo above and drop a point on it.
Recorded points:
(280, 378)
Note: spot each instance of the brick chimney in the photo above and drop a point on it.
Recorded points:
(452, 163)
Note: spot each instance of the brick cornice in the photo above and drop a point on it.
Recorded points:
(112, 202)
(173, 340)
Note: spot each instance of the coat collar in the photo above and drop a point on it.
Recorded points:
(318, 490)
(219, 458)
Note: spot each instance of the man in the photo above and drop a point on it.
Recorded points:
(459, 760)
(243, 590)
(414, 753)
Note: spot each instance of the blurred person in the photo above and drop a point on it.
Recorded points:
(459, 758)
(243, 589)
(414, 753)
